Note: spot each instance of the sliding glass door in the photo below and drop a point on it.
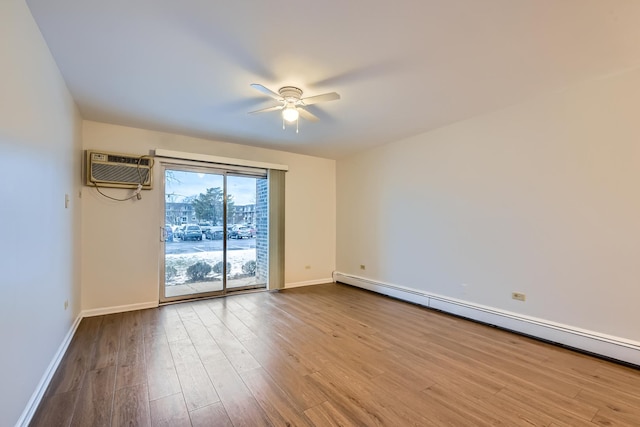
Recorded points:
(215, 235)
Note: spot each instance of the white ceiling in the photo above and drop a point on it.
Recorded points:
(402, 67)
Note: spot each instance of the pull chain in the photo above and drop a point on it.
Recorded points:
(297, 125)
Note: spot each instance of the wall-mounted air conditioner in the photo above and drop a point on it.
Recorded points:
(118, 170)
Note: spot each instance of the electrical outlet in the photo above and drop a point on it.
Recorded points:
(66, 201)
(362, 267)
(518, 296)
(66, 304)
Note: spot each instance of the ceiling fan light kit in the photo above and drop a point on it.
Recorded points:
(290, 113)
(292, 104)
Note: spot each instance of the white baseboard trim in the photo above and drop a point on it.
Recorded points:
(119, 309)
(581, 339)
(36, 397)
(308, 283)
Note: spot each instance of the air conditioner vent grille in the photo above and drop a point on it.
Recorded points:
(123, 174)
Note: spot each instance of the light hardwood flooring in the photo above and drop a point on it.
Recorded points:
(325, 355)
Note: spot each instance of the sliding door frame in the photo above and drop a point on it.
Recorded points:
(275, 178)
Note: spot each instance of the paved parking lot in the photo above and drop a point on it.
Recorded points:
(191, 246)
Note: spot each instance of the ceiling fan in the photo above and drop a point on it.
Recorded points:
(292, 104)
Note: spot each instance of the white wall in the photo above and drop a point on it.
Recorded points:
(40, 148)
(121, 248)
(542, 198)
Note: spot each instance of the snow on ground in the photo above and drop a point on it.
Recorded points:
(181, 262)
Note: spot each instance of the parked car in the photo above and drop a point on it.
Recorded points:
(215, 233)
(205, 226)
(168, 233)
(192, 232)
(240, 232)
(178, 231)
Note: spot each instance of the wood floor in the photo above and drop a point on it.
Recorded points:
(325, 355)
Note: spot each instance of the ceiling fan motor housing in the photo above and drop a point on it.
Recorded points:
(290, 93)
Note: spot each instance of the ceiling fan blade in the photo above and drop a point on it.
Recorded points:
(266, 91)
(264, 110)
(307, 115)
(320, 98)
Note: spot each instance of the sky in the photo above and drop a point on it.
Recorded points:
(186, 184)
